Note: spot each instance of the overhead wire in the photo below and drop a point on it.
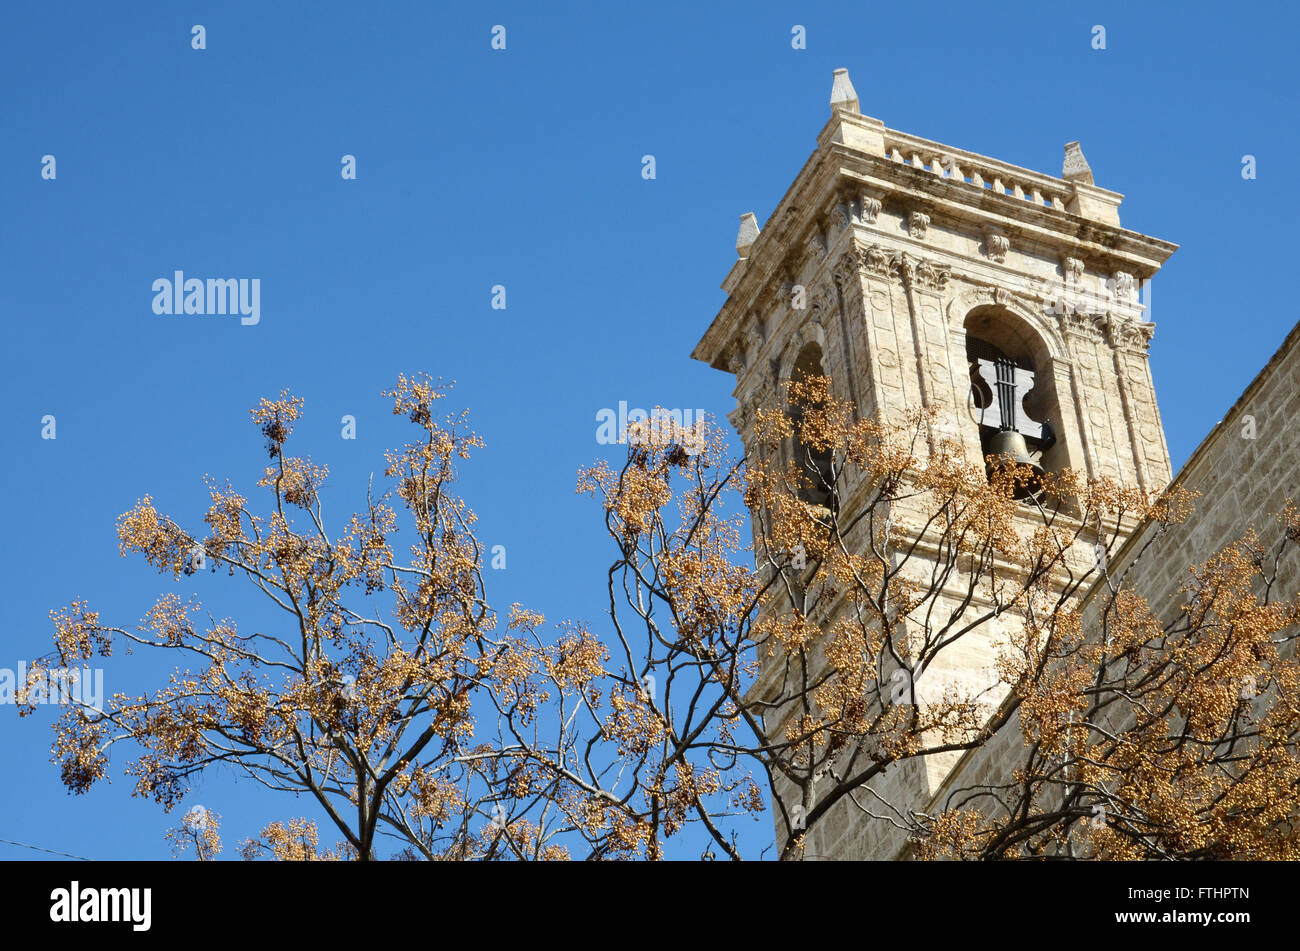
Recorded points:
(37, 848)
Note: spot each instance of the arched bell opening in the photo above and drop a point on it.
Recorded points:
(816, 465)
(1013, 399)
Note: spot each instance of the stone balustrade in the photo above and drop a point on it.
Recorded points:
(977, 170)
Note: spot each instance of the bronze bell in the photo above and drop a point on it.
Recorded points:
(1008, 442)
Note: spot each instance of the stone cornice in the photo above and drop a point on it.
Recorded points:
(837, 176)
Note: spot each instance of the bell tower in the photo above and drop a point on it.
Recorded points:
(903, 262)
(917, 274)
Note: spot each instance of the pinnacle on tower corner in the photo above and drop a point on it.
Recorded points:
(1076, 168)
(747, 235)
(843, 95)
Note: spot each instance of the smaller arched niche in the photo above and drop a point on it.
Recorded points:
(1013, 388)
(817, 466)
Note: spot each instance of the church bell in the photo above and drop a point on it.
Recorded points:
(1008, 442)
(1010, 383)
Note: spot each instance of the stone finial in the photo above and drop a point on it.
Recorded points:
(747, 235)
(1076, 168)
(843, 95)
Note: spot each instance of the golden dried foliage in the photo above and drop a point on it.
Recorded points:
(784, 631)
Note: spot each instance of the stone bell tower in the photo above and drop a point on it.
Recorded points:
(916, 274)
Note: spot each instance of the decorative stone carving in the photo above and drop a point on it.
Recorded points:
(815, 246)
(933, 277)
(877, 261)
(996, 244)
(839, 217)
(846, 270)
(1125, 289)
(870, 207)
(907, 268)
(1126, 333)
(1140, 338)
(917, 223)
(736, 360)
(1082, 325)
(1072, 269)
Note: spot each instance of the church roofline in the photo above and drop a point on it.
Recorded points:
(1288, 344)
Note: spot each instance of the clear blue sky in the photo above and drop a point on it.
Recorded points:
(519, 168)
